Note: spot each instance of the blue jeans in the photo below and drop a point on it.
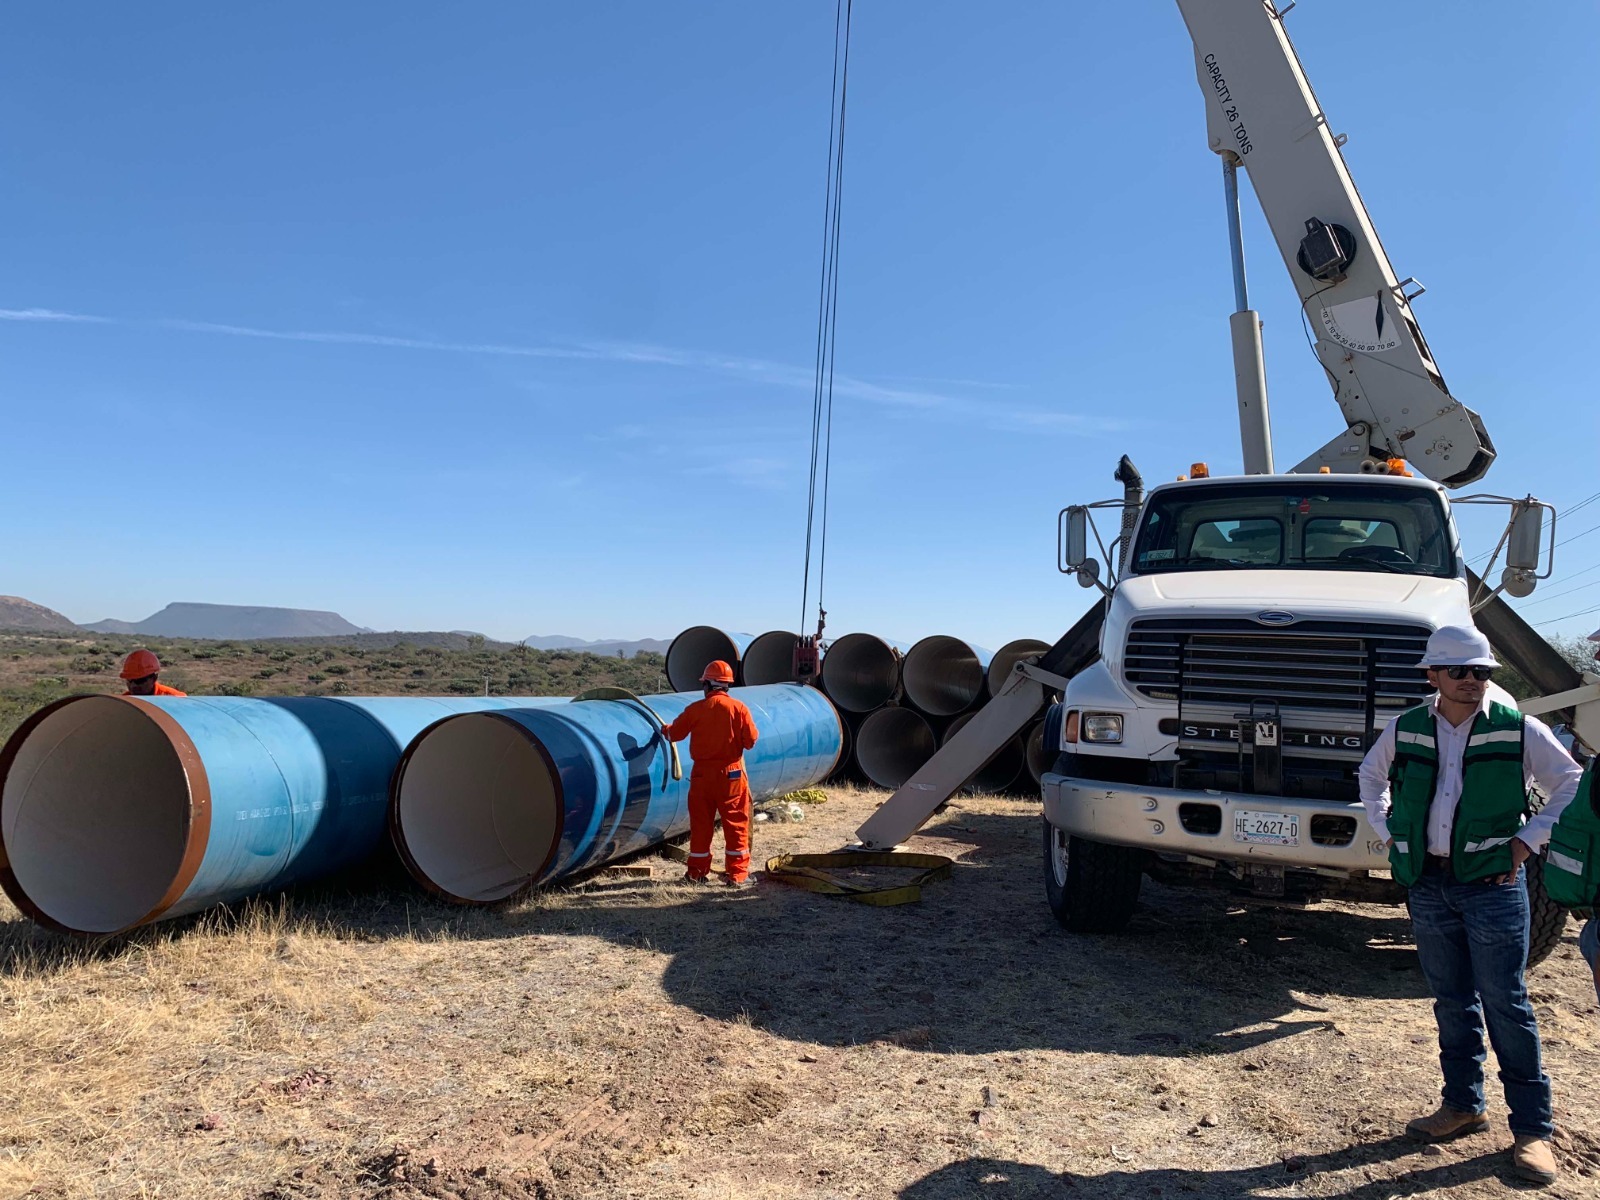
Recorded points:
(1589, 947)
(1472, 940)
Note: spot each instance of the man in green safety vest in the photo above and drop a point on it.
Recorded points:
(1572, 861)
(1572, 866)
(1446, 786)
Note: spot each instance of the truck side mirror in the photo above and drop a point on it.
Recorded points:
(1072, 547)
(1077, 538)
(1528, 544)
(1523, 548)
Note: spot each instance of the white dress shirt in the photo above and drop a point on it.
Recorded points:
(1544, 761)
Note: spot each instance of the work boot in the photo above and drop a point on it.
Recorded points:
(731, 882)
(1532, 1159)
(699, 879)
(1445, 1124)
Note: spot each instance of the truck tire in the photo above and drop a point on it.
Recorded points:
(1547, 920)
(1091, 887)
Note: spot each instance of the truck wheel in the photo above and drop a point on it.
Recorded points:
(1547, 920)
(1091, 887)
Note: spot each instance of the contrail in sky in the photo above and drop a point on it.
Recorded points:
(1002, 416)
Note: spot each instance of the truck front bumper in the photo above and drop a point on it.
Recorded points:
(1200, 824)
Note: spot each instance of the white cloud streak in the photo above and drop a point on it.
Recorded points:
(50, 314)
(999, 416)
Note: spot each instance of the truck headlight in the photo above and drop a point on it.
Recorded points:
(1101, 727)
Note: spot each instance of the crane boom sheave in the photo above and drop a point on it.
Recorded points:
(1260, 110)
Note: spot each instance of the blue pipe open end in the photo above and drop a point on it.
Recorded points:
(486, 804)
(104, 815)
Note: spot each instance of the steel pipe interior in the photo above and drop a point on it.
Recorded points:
(1008, 656)
(861, 672)
(892, 744)
(95, 816)
(480, 808)
(769, 658)
(1003, 767)
(696, 646)
(943, 676)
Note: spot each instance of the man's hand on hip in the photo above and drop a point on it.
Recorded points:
(1520, 853)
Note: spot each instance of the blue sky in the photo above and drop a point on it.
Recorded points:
(501, 316)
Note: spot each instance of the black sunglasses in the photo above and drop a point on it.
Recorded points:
(1481, 674)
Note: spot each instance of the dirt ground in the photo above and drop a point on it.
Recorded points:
(635, 1037)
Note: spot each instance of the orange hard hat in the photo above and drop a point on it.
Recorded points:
(717, 672)
(139, 664)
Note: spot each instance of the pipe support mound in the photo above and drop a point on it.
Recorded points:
(892, 744)
(769, 658)
(485, 804)
(1003, 767)
(116, 811)
(696, 646)
(1007, 657)
(944, 676)
(861, 672)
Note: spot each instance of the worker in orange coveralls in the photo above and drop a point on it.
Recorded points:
(140, 670)
(720, 729)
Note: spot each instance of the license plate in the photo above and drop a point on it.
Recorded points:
(1266, 828)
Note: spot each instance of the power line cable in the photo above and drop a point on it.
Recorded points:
(1576, 536)
(1567, 591)
(1582, 612)
(1584, 503)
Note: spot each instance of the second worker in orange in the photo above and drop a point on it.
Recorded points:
(720, 729)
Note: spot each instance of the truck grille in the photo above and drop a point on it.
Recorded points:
(1356, 673)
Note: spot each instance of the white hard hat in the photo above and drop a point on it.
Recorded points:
(1458, 646)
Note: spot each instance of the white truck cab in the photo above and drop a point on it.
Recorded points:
(1265, 630)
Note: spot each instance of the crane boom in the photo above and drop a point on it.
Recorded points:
(1261, 112)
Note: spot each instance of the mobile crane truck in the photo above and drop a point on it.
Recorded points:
(1258, 631)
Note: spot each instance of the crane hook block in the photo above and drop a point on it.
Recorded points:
(1326, 251)
(807, 659)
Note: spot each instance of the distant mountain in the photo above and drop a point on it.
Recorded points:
(20, 614)
(608, 649)
(228, 621)
(555, 641)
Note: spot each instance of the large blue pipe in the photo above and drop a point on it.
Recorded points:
(487, 803)
(116, 810)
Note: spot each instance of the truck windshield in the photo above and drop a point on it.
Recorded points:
(1277, 526)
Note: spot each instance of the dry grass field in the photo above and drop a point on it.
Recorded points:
(634, 1037)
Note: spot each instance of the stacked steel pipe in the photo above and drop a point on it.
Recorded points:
(898, 705)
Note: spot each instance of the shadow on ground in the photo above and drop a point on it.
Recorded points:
(1000, 1179)
(979, 965)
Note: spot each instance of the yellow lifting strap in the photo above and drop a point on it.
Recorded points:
(622, 693)
(804, 871)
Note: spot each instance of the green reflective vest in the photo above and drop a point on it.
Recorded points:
(1572, 861)
(1494, 796)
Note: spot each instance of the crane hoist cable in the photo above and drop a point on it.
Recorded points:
(807, 650)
